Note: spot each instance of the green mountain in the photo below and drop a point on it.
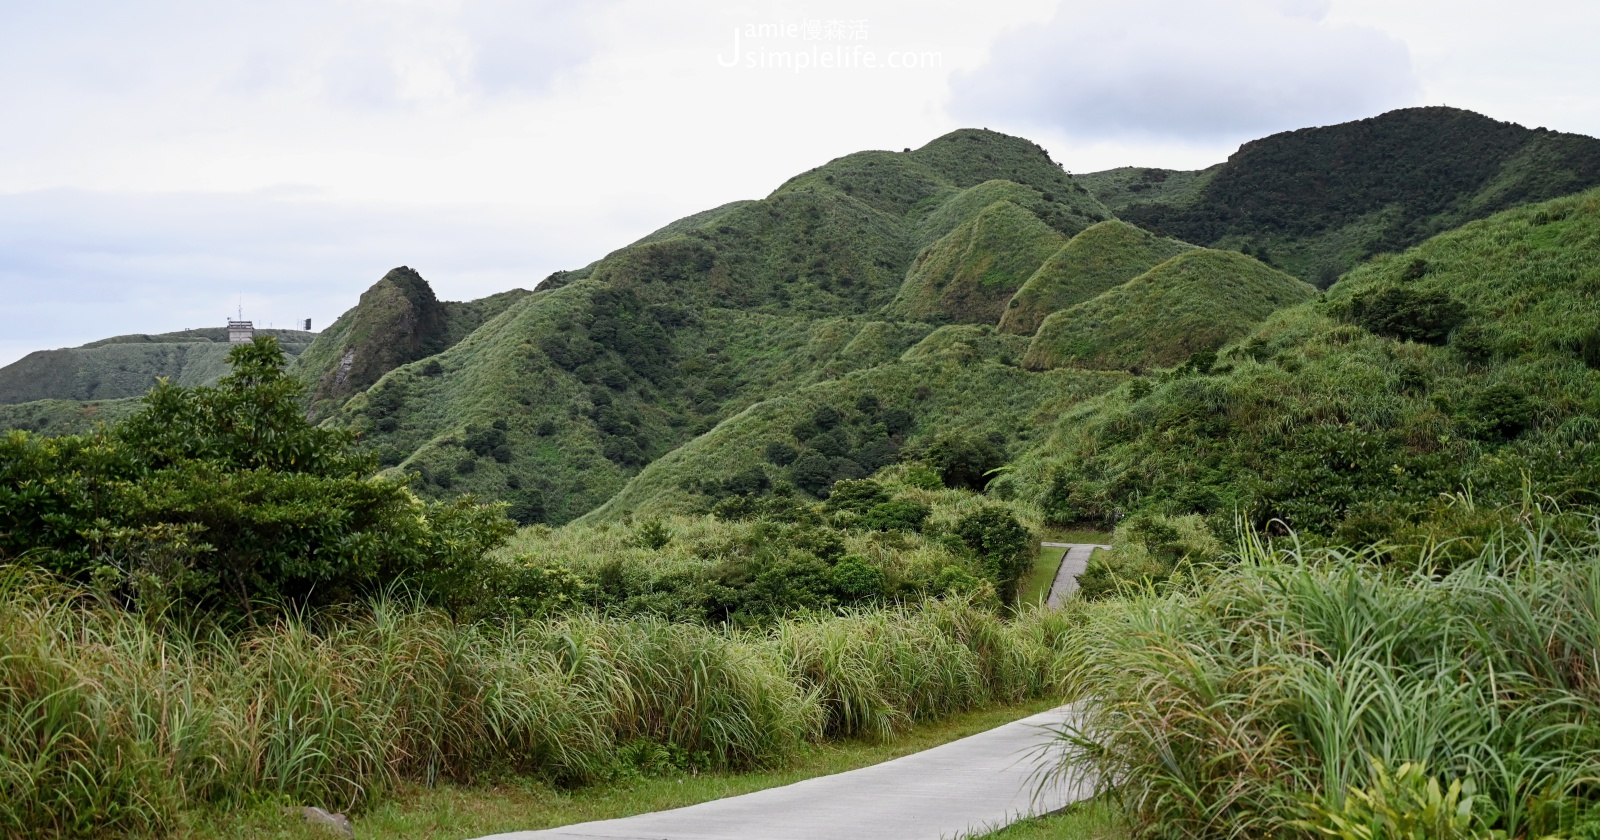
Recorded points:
(560, 400)
(1317, 201)
(127, 365)
(970, 273)
(1193, 303)
(64, 417)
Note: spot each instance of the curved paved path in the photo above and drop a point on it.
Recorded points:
(963, 788)
(1073, 563)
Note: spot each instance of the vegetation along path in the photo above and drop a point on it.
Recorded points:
(1072, 564)
(963, 788)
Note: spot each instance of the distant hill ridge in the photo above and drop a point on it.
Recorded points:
(1316, 201)
(127, 365)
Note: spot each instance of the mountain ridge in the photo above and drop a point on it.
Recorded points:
(1316, 201)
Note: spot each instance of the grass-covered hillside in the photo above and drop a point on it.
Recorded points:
(127, 366)
(800, 453)
(960, 394)
(1425, 394)
(558, 401)
(971, 288)
(970, 273)
(1193, 303)
(1317, 201)
(64, 417)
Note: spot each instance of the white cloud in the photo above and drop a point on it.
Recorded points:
(1189, 70)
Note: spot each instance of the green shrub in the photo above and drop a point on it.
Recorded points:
(1423, 315)
(1498, 412)
(653, 534)
(781, 453)
(1406, 804)
(812, 472)
(1002, 544)
(923, 477)
(1146, 551)
(965, 460)
(525, 506)
(856, 579)
(856, 496)
(896, 515)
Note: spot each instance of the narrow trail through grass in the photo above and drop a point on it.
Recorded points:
(448, 812)
(1035, 585)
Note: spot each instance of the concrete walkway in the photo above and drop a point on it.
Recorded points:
(1072, 564)
(964, 788)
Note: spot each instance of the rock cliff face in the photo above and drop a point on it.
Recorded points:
(398, 320)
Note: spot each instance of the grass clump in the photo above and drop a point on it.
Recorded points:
(1306, 689)
(112, 725)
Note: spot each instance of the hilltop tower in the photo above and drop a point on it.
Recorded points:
(241, 332)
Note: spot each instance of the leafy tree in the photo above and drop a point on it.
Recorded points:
(1003, 544)
(812, 472)
(525, 506)
(856, 579)
(227, 497)
(856, 496)
(965, 460)
(781, 453)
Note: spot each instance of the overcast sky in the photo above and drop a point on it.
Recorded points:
(164, 161)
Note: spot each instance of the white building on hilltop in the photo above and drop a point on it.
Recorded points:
(241, 332)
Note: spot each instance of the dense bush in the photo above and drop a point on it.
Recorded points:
(1003, 544)
(966, 461)
(1409, 314)
(1147, 551)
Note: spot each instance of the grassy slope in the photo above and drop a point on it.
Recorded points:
(1128, 185)
(1196, 301)
(1334, 430)
(1108, 254)
(126, 366)
(970, 273)
(1320, 200)
(950, 391)
(64, 417)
